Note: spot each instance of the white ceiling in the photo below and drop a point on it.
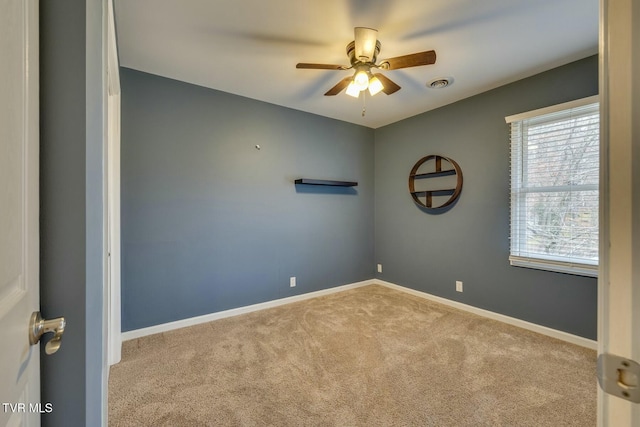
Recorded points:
(250, 47)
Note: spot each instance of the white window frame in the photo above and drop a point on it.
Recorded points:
(538, 261)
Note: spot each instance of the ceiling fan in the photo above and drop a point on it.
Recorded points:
(363, 53)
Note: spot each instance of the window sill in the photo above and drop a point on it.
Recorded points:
(555, 266)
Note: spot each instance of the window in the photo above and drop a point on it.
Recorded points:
(554, 188)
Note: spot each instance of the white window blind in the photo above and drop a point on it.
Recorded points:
(554, 188)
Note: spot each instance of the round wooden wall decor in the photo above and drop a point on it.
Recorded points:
(437, 166)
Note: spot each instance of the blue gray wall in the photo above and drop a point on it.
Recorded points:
(71, 158)
(470, 242)
(211, 223)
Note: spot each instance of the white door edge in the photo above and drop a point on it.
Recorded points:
(619, 276)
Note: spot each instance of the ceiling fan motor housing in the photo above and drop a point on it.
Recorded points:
(351, 53)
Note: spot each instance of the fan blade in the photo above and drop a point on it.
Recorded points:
(339, 87)
(388, 86)
(321, 66)
(365, 41)
(412, 60)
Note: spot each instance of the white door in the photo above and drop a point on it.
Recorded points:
(619, 277)
(19, 198)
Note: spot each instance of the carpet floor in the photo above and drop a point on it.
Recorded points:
(370, 356)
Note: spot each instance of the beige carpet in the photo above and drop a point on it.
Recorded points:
(370, 356)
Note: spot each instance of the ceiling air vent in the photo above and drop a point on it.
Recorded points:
(440, 82)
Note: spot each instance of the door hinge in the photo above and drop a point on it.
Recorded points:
(619, 376)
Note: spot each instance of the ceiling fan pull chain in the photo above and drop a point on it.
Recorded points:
(364, 103)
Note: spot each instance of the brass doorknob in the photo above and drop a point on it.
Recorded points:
(39, 326)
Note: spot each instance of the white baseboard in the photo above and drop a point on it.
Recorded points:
(564, 336)
(143, 332)
(554, 333)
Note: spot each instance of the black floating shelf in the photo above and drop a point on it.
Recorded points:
(308, 181)
(434, 174)
(447, 192)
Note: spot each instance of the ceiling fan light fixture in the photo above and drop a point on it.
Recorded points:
(363, 57)
(375, 85)
(353, 90)
(361, 80)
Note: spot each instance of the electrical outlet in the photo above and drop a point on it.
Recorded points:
(379, 268)
(292, 282)
(458, 286)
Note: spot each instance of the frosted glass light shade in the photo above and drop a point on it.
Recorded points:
(375, 85)
(361, 80)
(353, 90)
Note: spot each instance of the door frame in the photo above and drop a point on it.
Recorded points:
(618, 304)
(112, 257)
(615, 327)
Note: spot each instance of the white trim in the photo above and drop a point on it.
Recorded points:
(602, 410)
(114, 340)
(564, 336)
(576, 268)
(553, 109)
(165, 327)
(113, 63)
(618, 299)
(113, 239)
